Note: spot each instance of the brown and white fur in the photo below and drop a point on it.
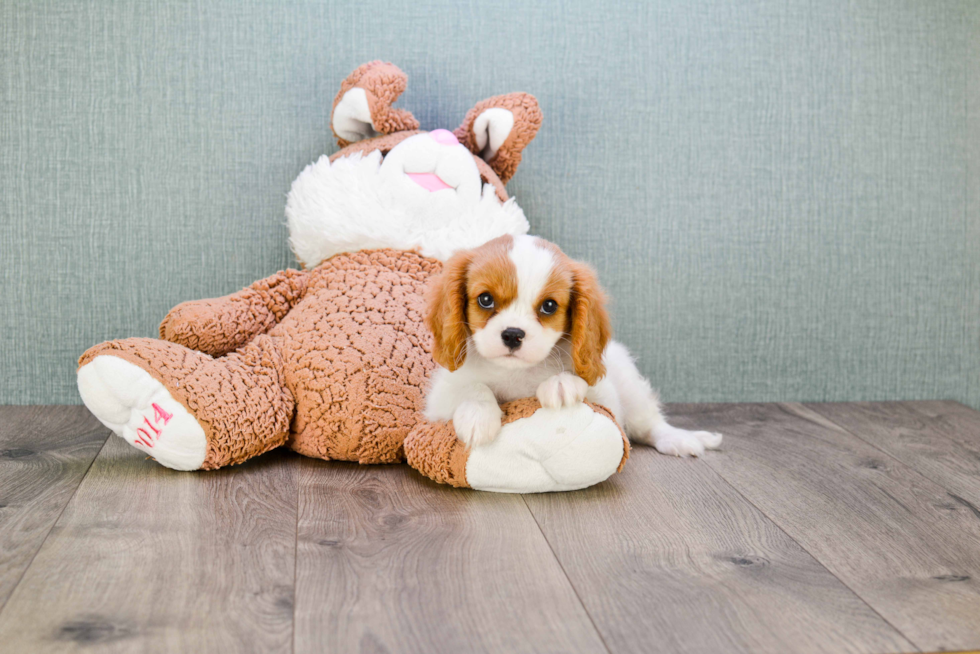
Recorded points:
(546, 333)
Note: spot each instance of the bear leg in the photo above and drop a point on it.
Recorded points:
(537, 450)
(184, 408)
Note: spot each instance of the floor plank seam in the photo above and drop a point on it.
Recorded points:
(844, 472)
(869, 443)
(891, 456)
(54, 524)
(565, 574)
(778, 526)
(897, 461)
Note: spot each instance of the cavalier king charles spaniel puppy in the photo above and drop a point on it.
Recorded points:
(515, 318)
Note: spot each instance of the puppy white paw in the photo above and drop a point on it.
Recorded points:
(477, 423)
(564, 389)
(711, 440)
(680, 442)
(680, 445)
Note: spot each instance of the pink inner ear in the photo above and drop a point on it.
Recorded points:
(429, 181)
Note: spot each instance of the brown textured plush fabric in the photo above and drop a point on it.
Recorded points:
(357, 355)
(382, 83)
(489, 176)
(341, 376)
(433, 449)
(527, 121)
(203, 325)
(240, 400)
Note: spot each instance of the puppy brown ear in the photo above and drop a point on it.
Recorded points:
(446, 313)
(590, 330)
(499, 128)
(362, 108)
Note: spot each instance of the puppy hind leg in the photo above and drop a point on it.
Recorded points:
(681, 442)
(640, 411)
(642, 415)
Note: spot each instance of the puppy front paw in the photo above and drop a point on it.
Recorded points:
(477, 423)
(564, 389)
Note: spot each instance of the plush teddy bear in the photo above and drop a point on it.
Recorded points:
(333, 360)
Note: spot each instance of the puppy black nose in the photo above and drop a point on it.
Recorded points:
(512, 337)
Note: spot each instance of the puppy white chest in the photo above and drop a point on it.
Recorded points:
(511, 384)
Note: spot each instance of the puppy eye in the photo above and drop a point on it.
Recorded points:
(485, 301)
(548, 307)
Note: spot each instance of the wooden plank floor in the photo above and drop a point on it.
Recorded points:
(817, 528)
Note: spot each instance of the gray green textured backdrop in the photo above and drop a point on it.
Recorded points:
(782, 197)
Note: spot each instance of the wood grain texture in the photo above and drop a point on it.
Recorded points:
(145, 559)
(892, 535)
(803, 534)
(939, 439)
(668, 557)
(44, 453)
(391, 562)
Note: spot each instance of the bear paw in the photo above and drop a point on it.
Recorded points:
(551, 450)
(135, 406)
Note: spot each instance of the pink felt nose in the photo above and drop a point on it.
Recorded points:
(444, 137)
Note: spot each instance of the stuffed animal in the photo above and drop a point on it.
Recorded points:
(333, 360)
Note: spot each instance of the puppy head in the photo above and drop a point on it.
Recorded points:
(515, 298)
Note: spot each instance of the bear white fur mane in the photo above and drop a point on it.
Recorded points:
(351, 205)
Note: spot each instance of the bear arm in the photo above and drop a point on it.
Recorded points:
(221, 325)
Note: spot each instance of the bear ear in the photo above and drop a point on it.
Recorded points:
(499, 128)
(362, 108)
